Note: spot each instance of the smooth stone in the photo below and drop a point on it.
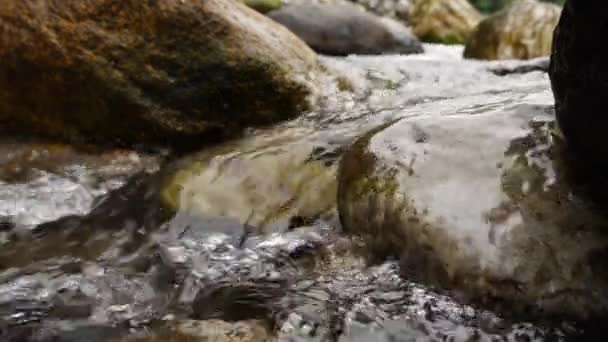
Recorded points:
(343, 29)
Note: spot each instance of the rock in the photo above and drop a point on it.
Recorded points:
(578, 77)
(220, 331)
(170, 72)
(511, 67)
(262, 181)
(264, 5)
(345, 29)
(523, 30)
(481, 203)
(444, 21)
(210, 331)
(396, 9)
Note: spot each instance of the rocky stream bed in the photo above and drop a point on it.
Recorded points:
(242, 241)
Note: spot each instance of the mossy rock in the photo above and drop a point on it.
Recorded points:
(263, 6)
(167, 72)
(500, 224)
(444, 21)
(523, 30)
(264, 181)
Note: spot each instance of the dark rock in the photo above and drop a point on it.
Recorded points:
(579, 78)
(523, 67)
(168, 71)
(345, 29)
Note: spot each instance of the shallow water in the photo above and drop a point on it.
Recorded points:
(92, 250)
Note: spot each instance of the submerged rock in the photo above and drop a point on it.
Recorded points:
(261, 181)
(523, 30)
(444, 21)
(578, 76)
(166, 72)
(480, 203)
(344, 29)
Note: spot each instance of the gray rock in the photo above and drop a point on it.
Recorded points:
(346, 29)
(484, 203)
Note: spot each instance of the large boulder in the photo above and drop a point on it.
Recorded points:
(343, 29)
(579, 77)
(444, 21)
(166, 71)
(523, 30)
(483, 202)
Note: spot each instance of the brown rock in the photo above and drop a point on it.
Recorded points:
(523, 30)
(163, 71)
(444, 21)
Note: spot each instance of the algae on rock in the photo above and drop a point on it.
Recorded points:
(263, 6)
(263, 181)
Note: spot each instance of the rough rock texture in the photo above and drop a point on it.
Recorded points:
(165, 71)
(212, 330)
(523, 30)
(482, 202)
(579, 75)
(263, 5)
(345, 29)
(444, 21)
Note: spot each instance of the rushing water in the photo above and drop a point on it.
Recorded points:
(91, 251)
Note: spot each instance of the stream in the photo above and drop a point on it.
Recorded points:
(242, 241)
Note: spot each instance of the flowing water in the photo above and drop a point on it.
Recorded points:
(247, 246)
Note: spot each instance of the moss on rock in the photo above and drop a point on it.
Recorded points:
(263, 181)
(264, 6)
(503, 223)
